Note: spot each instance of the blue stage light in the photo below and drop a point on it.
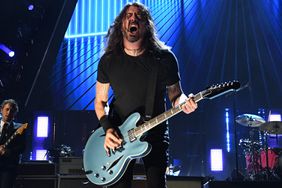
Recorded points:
(227, 130)
(42, 126)
(7, 50)
(11, 53)
(216, 160)
(30, 7)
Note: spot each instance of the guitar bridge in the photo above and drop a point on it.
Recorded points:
(131, 135)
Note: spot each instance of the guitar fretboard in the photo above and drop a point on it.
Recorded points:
(140, 130)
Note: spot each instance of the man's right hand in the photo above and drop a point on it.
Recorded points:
(112, 140)
(2, 150)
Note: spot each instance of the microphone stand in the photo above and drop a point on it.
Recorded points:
(266, 157)
(235, 137)
(235, 129)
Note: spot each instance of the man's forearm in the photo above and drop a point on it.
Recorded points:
(99, 109)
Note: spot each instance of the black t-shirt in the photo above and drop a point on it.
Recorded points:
(129, 78)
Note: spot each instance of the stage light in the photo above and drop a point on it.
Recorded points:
(41, 138)
(274, 117)
(42, 126)
(227, 129)
(216, 160)
(30, 7)
(41, 154)
(7, 50)
(11, 53)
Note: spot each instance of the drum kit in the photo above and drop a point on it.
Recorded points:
(262, 161)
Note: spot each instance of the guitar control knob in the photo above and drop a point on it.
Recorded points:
(103, 167)
(96, 175)
(103, 179)
(110, 172)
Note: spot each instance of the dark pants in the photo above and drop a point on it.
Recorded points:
(7, 177)
(155, 164)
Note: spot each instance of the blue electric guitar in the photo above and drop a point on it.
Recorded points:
(106, 170)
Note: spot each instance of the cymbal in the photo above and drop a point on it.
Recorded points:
(250, 120)
(272, 127)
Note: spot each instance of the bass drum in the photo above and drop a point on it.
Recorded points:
(272, 159)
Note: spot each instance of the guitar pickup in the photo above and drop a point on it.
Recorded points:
(131, 135)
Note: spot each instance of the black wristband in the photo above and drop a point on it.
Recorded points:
(105, 123)
(174, 99)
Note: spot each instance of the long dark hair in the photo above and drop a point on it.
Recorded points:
(115, 37)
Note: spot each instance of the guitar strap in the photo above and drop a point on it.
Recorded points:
(4, 132)
(151, 90)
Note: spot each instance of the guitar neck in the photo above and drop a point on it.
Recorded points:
(19, 131)
(10, 139)
(148, 125)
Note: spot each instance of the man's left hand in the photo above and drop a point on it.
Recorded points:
(189, 106)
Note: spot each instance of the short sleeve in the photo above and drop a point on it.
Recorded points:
(171, 68)
(103, 70)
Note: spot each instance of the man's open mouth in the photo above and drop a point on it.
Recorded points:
(132, 29)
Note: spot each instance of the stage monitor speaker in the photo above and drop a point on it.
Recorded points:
(75, 181)
(69, 181)
(37, 168)
(184, 182)
(70, 165)
(36, 182)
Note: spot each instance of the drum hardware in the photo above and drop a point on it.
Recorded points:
(252, 155)
(272, 159)
(262, 162)
(272, 127)
(250, 146)
(267, 169)
(250, 120)
(257, 157)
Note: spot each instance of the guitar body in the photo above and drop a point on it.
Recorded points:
(106, 170)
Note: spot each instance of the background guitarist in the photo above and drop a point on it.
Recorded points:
(9, 155)
(127, 66)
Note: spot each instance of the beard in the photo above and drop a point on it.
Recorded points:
(132, 37)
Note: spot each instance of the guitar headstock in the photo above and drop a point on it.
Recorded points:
(220, 89)
(22, 128)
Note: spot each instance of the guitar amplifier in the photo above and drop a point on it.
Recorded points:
(37, 168)
(35, 181)
(34, 174)
(74, 181)
(71, 165)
